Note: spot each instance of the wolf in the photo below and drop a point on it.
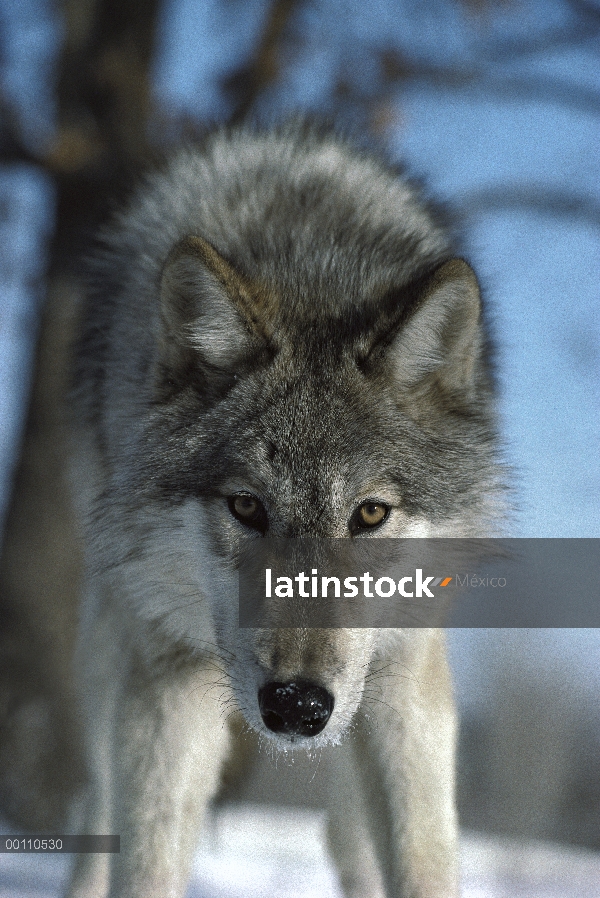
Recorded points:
(279, 340)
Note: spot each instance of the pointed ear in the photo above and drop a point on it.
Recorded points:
(204, 306)
(441, 340)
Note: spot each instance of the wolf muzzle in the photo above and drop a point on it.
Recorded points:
(299, 708)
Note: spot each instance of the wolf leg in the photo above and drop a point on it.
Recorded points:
(405, 744)
(348, 837)
(100, 658)
(168, 741)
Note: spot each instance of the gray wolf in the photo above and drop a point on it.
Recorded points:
(279, 341)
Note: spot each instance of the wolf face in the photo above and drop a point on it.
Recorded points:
(290, 349)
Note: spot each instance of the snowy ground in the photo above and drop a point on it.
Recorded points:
(256, 852)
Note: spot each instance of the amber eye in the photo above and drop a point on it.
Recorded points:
(245, 507)
(368, 515)
(248, 510)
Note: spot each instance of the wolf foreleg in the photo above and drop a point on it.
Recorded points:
(348, 836)
(405, 745)
(168, 739)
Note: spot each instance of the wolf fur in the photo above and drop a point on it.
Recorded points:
(277, 320)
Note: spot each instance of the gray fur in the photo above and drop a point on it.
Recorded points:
(276, 315)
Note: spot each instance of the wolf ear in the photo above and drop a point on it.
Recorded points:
(204, 305)
(441, 340)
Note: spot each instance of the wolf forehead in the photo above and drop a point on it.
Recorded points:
(308, 213)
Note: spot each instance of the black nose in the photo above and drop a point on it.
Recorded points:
(300, 708)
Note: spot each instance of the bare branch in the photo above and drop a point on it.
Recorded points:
(574, 34)
(400, 69)
(530, 198)
(587, 9)
(12, 146)
(248, 82)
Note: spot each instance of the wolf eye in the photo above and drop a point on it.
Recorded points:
(368, 515)
(248, 510)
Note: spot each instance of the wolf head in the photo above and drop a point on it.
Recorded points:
(305, 357)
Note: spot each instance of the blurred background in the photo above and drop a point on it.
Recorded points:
(495, 106)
